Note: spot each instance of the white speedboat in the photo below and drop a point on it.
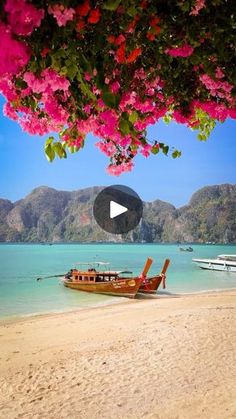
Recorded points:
(226, 263)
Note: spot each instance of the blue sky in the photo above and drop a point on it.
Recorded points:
(24, 166)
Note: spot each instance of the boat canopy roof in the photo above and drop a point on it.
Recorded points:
(92, 263)
(101, 264)
(227, 257)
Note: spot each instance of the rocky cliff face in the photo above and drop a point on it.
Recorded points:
(50, 215)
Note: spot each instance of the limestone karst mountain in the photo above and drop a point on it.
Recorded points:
(48, 215)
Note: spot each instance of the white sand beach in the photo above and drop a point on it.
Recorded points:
(160, 358)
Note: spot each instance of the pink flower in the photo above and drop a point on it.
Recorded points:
(140, 125)
(48, 81)
(87, 76)
(217, 87)
(146, 150)
(184, 51)
(32, 124)
(150, 91)
(219, 73)
(127, 99)
(23, 17)
(232, 113)
(87, 108)
(197, 7)
(146, 106)
(107, 148)
(14, 54)
(115, 87)
(61, 14)
(7, 88)
(10, 112)
(55, 111)
(125, 141)
(117, 170)
(109, 123)
(180, 118)
(215, 110)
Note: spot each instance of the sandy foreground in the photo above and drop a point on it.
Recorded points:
(158, 358)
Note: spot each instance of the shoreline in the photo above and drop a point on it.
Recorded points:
(117, 301)
(161, 358)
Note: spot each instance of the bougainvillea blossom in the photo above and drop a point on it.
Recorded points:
(113, 68)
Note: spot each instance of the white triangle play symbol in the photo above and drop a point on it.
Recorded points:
(116, 209)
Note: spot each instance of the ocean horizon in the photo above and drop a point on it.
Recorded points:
(22, 263)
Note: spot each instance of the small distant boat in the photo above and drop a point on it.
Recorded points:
(150, 285)
(115, 283)
(226, 263)
(186, 249)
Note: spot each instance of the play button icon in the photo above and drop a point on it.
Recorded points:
(117, 209)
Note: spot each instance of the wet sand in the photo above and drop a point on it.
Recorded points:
(160, 358)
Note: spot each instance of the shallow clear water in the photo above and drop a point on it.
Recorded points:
(21, 264)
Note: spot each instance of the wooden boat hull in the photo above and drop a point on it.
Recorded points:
(127, 287)
(151, 285)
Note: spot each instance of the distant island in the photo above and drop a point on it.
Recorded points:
(48, 215)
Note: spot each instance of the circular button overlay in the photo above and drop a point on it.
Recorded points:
(117, 209)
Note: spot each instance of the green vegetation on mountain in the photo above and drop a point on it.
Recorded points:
(48, 215)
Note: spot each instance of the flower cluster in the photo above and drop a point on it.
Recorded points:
(110, 69)
(14, 54)
(61, 14)
(183, 51)
(23, 17)
(199, 5)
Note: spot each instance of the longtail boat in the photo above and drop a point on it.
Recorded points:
(150, 285)
(106, 282)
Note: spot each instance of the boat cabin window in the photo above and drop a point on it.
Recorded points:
(91, 278)
(109, 278)
(76, 277)
(80, 277)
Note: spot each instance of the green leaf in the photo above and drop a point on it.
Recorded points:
(176, 154)
(49, 141)
(60, 53)
(167, 118)
(100, 78)
(72, 70)
(84, 63)
(202, 137)
(155, 149)
(59, 150)
(131, 11)
(110, 99)
(84, 87)
(134, 147)
(50, 153)
(164, 148)
(111, 5)
(21, 83)
(124, 126)
(74, 148)
(133, 117)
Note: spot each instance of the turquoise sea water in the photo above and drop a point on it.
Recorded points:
(21, 264)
